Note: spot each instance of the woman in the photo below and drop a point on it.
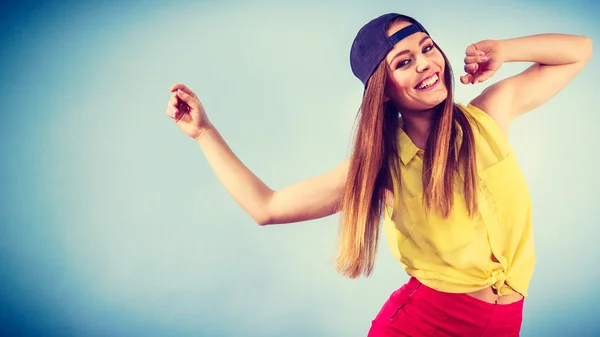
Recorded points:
(455, 204)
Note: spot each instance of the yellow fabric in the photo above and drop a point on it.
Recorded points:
(455, 255)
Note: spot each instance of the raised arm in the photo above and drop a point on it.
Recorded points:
(310, 199)
(557, 59)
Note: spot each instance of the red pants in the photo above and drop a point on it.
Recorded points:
(416, 310)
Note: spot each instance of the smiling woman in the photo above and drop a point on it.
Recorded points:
(406, 87)
(455, 204)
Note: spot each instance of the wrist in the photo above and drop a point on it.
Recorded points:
(204, 132)
(508, 55)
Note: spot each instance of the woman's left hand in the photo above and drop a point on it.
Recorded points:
(483, 60)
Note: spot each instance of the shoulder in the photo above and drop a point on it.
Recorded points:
(491, 141)
(483, 124)
(476, 114)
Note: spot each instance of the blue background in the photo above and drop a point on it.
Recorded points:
(113, 224)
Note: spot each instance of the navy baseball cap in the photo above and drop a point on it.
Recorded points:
(372, 44)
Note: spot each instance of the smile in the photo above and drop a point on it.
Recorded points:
(429, 82)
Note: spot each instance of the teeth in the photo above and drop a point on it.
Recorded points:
(428, 82)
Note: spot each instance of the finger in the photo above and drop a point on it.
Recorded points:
(174, 101)
(176, 107)
(189, 99)
(178, 103)
(484, 76)
(473, 51)
(182, 87)
(173, 112)
(476, 59)
(471, 68)
(466, 79)
(172, 106)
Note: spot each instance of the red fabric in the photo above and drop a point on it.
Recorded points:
(416, 310)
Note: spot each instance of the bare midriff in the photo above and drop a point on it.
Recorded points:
(489, 295)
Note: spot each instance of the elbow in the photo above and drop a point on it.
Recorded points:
(262, 222)
(591, 47)
(263, 215)
(587, 48)
(262, 219)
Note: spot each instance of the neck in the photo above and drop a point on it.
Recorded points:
(416, 126)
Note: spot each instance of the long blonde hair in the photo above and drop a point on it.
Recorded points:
(375, 159)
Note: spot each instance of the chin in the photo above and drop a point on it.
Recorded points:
(439, 100)
(416, 103)
(430, 101)
(432, 104)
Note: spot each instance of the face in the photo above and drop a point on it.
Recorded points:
(416, 78)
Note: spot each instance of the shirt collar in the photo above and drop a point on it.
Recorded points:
(408, 149)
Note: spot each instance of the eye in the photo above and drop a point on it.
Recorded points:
(428, 48)
(403, 63)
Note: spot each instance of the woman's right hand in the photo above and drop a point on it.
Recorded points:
(186, 110)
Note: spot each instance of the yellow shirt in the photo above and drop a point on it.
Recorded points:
(456, 255)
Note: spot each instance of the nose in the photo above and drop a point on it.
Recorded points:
(423, 63)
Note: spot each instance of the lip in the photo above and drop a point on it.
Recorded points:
(426, 78)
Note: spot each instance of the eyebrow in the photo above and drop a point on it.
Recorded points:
(407, 51)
